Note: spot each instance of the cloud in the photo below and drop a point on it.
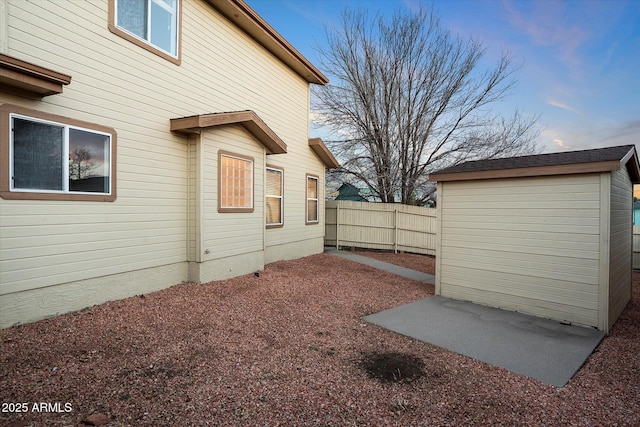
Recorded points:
(625, 132)
(548, 24)
(586, 134)
(562, 105)
(558, 142)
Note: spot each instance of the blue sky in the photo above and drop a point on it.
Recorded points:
(580, 59)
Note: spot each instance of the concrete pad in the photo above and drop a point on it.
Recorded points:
(391, 268)
(527, 345)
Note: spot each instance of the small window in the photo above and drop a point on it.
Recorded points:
(235, 175)
(312, 199)
(53, 158)
(273, 198)
(153, 24)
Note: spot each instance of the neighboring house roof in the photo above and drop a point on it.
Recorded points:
(350, 192)
(245, 18)
(323, 153)
(570, 162)
(247, 119)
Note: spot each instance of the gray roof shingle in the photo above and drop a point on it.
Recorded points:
(598, 155)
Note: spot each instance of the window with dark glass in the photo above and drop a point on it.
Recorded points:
(152, 21)
(58, 158)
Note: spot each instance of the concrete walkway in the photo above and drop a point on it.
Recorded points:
(527, 345)
(391, 268)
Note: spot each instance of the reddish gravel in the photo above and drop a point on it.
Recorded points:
(289, 348)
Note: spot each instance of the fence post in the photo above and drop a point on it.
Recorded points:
(395, 229)
(337, 226)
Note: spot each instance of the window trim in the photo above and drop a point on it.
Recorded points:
(307, 198)
(147, 44)
(222, 209)
(6, 110)
(266, 195)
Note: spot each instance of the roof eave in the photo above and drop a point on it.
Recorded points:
(245, 18)
(574, 168)
(32, 80)
(247, 119)
(632, 165)
(321, 150)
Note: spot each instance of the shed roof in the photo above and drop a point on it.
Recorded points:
(564, 163)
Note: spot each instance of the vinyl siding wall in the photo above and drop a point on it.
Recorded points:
(118, 84)
(621, 251)
(296, 238)
(228, 235)
(528, 244)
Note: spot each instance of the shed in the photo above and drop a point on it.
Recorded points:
(548, 235)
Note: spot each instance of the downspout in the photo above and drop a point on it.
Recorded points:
(337, 226)
(4, 34)
(264, 198)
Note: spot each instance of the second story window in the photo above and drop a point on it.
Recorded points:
(154, 22)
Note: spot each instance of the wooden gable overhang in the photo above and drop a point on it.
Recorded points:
(26, 79)
(321, 150)
(248, 120)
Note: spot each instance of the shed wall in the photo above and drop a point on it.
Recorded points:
(621, 249)
(528, 244)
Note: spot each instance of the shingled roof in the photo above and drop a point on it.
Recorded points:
(569, 162)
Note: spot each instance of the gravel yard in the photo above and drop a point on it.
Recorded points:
(288, 347)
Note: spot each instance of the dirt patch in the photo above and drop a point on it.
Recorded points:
(392, 367)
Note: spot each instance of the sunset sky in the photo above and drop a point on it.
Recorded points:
(580, 59)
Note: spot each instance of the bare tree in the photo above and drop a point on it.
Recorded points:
(410, 98)
(80, 163)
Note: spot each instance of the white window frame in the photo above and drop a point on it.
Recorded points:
(65, 157)
(175, 30)
(308, 199)
(281, 197)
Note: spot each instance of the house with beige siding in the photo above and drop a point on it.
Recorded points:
(146, 143)
(548, 235)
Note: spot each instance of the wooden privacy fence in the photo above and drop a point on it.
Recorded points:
(395, 227)
(636, 246)
(387, 226)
